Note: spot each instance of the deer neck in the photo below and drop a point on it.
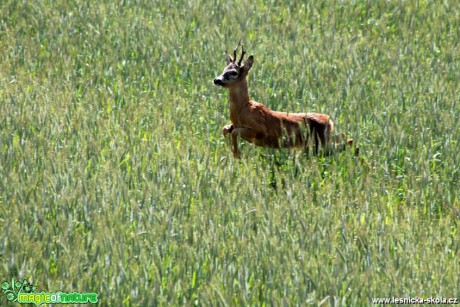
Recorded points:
(239, 98)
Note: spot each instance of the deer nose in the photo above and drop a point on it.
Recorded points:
(217, 81)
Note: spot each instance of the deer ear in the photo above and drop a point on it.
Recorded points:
(228, 58)
(248, 63)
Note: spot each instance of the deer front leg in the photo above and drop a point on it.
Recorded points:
(227, 129)
(245, 133)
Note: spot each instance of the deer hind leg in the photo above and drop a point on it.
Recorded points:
(319, 138)
(329, 131)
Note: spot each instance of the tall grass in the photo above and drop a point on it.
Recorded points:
(115, 178)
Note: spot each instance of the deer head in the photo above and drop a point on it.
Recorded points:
(234, 72)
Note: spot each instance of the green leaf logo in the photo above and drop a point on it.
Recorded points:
(13, 289)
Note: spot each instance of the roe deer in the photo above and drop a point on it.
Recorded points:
(261, 126)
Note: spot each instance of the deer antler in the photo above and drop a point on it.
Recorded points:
(242, 55)
(234, 51)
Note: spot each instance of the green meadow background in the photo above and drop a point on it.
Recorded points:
(115, 177)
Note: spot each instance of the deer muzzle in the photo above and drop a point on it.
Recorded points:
(218, 81)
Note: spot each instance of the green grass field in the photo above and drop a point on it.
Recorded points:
(115, 177)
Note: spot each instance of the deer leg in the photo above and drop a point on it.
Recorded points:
(227, 129)
(245, 133)
(316, 139)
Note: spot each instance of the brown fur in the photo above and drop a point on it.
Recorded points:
(261, 126)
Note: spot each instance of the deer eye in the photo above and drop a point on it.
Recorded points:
(233, 73)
